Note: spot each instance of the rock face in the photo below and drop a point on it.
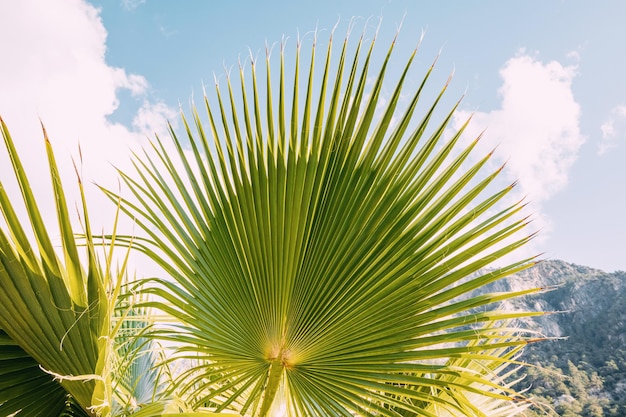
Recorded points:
(583, 300)
(589, 360)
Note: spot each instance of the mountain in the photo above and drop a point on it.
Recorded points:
(583, 368)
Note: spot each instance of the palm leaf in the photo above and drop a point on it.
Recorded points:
(72, 342)
(492, 371)
(323, 254)
(54, 308)
(48, 306)
(24, 387)
(142, 378)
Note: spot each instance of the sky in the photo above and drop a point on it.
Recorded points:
(542, 78)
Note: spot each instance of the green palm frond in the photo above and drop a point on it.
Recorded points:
(24, 387)
(66, 351)
(71, 336)
(492, 371)
(142, 375)
(56, 305)
(320, 248)
(50, 305)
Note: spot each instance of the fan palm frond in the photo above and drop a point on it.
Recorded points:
(71, 335)
(50, 305)
(319, 248)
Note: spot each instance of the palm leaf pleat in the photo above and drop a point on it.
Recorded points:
(24, 387)
(324, 249)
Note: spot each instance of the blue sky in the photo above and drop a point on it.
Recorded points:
(545, 78)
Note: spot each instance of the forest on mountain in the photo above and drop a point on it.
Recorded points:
(582, 369)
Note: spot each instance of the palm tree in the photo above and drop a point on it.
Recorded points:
(318, 261)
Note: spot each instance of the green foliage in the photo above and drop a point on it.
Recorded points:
(52, 307)
(583, 373)
(323, 254)
(19, 374)
(293, 237)
(61, 349)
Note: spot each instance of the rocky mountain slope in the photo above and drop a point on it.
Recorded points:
(583, 371)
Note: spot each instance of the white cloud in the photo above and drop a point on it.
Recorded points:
(132, 4)
(153, 117)
(612, 128)
(535, 130)
(537, 125)
(54, 69)
(574, 55)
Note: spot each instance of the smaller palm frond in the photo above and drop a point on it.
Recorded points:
(141, 374)
(72, 336)
(57, 308)
(50, 305)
